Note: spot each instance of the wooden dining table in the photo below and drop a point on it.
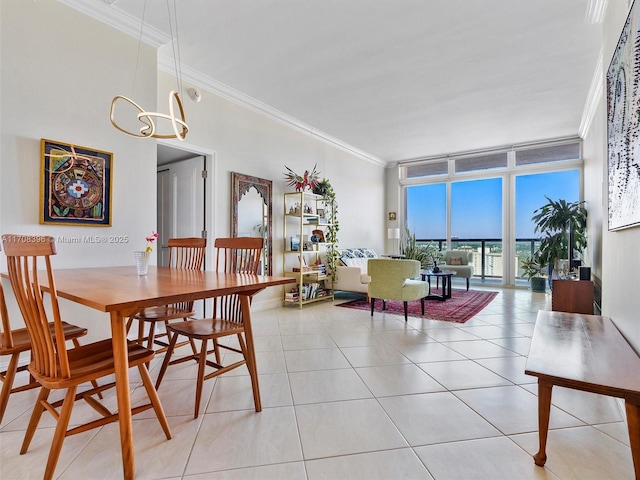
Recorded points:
(121, 292)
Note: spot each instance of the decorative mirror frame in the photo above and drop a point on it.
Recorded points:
(241, 184)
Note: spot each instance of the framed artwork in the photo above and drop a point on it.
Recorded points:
(320, 212)
(75, 185)
(623, 132)
(392, 215)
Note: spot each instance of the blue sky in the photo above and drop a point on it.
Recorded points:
(476, 206)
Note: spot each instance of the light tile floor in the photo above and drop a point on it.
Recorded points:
(350, 396)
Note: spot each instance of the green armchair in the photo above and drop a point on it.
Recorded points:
(394, 280)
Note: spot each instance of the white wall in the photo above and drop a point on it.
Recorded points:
(60, 70)
(620, 253)
(249, 143)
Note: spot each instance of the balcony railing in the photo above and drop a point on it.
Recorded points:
(487, 253)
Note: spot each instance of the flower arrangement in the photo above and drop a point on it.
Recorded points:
(150, 239)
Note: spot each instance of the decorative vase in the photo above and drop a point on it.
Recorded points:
(142, 262)
(435, 268)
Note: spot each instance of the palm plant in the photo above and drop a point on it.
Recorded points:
(551, 220)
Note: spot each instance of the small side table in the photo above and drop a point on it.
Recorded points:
(446, 276)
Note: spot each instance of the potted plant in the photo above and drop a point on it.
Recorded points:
(427, 255)
(553, 220)
(533, 269)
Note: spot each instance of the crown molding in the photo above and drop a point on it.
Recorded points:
(166, 64)
(593, 98)
(120, 20)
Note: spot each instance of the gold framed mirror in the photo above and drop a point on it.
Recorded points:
(251, 213)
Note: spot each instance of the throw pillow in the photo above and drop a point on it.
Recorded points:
(455, 261)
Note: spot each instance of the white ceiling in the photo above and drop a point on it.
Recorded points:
(394, 79)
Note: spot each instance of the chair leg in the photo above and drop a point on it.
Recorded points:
(167, 359)
(191, 341)
(373, 304)
(467, 284)
(200, 381)
(216, 350)
(150, 338)
(7, 383)
(406, 306)
(155, 400)
(60, 432)
(94, 383)
(38, 408)
(422, 305)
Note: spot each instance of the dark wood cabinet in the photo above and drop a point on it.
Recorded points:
(574, 296)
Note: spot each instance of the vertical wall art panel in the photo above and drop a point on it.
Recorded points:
(75, 185)
(623, 121)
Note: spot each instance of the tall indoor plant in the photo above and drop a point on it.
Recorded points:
(552, 220)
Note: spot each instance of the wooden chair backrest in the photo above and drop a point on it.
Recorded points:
(236, 255)
(6, 339)
(24, 253)
(187, 253)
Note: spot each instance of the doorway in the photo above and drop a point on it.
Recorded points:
(184, 198)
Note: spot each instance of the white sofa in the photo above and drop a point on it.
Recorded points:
(351, 275)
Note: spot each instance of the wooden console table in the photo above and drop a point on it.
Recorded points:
(588, 353)
(574, 296)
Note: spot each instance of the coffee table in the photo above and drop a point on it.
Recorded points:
(445, 275)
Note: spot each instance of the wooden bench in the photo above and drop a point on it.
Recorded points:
(584, 352)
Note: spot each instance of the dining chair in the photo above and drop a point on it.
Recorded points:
(54, 366)
(16, 341)
(184, 253)
(233, 255)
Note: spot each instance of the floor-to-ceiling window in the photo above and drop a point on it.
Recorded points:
(531, 192)
(476, 223)
(484, 201)
(427, 212)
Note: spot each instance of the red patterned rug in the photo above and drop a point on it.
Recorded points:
(462, 305)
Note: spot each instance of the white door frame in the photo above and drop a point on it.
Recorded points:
(209, 196)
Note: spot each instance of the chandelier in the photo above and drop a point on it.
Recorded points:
(148, 119)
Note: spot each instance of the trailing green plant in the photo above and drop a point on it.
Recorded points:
(551, 220)
(325, 190)
(411, 249)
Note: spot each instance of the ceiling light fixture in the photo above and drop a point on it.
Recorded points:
(148, 119)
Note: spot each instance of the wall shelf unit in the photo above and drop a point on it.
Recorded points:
(305, 249)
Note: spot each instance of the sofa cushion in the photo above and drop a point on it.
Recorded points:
(462, 254)
(356, 257)
(359, 262)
